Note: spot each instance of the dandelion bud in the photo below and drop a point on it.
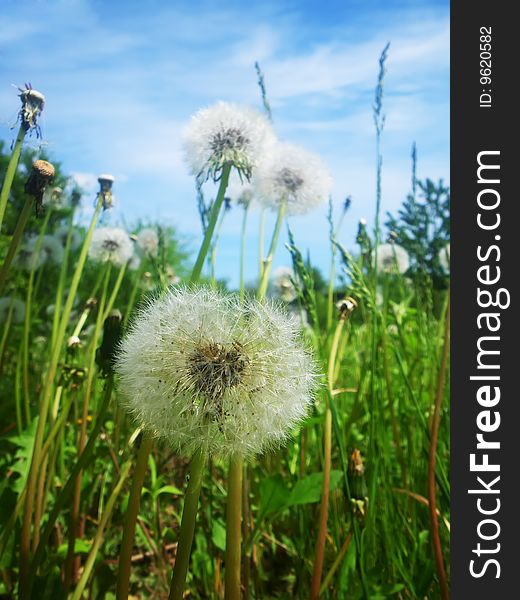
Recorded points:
(203, 371)
(106, 182)
(32, 105)
(346, 307)
(356, 476)
(41, 175)
(105, 355)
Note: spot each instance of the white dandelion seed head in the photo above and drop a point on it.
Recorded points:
(201, 370)
(240, 192)
(14, 306)
(444, 258)
(52, 250)
(282, 284)
(62, 233)
(110, 244)
(392, 258)
(27, 259)
(148, 241)
(223, 134)
(53, 197)
(288, 173)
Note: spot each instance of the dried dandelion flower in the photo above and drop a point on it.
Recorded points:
(444, 258)
(13, 305)
(203, 371)
(32, 105)
(226, 134)
(110, 244)
(106, 182)
(283, 285)
(41, 175)
(290, 174)
(148, 241)
(392, 258)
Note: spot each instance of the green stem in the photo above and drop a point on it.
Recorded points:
(189, 515)
(24, 586)
(15, 240)
(261, 229)
(11, 171)
(115, 290)
(233, 528)
(127, 543)
(264, 281)
(243, 253)
(213, 218)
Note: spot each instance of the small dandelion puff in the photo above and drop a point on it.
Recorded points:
(444, 258)
(290, 174)
(203, 371)
(110, 244)
(54, 197)
(32, 105)
(392, 258)
(148, 241)
(282, 284)
(240, 192)
(62, 233)
(226, 134)
(14, 306)
(27, 259)
(52, 250)
(134, 263)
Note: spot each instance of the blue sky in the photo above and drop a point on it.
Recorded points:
(122, 78)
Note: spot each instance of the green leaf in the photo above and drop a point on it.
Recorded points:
(218, 535)
(169, 489)
(273, 495)
(80, 547)
(308, 489)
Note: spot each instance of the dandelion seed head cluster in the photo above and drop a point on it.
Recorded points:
(223, 134)
(12, 306)
(201, 370)
(288, 173)
(392, 258)
(52, 250)
(148, 241)
(110, 244)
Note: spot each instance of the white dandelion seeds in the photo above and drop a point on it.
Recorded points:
(110, 244)
(148, 241)
(51, 250)
(13, 305)
(75, 237)
(392, 258)
(444, 258)
(288, 173)
(203, 371)
(223, 134)
(26, 258)
(239, 192)
(282, 284)
(54, 197)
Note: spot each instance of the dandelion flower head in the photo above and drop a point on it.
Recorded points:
(290, 174)
(226, 134)
(203, 371)
(111, 244)
(392, 258)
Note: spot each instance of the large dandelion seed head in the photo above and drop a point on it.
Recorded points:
(12, 306)
(444, 258)
(148, 241)
(110, 244)
(392, 258)
(201, 370)
(223, 134)
(290, 174)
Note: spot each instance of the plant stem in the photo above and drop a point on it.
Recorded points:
(434, 525)
(243, 253)
(15, 240)
(11, 171)
(24, 585)
(264, 281)
(261, 228)
(213, 218)
(115, 291)
(233, 528)
(189, 515)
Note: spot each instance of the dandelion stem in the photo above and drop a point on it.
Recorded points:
(11, 171)
(127, 543)
(233, 528)
(264, 281)
(189, 515)
(115, 290)
(15, 240)
(243, 253)
(434, 525)
(213, 218)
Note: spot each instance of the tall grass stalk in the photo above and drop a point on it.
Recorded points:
(11, 170)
